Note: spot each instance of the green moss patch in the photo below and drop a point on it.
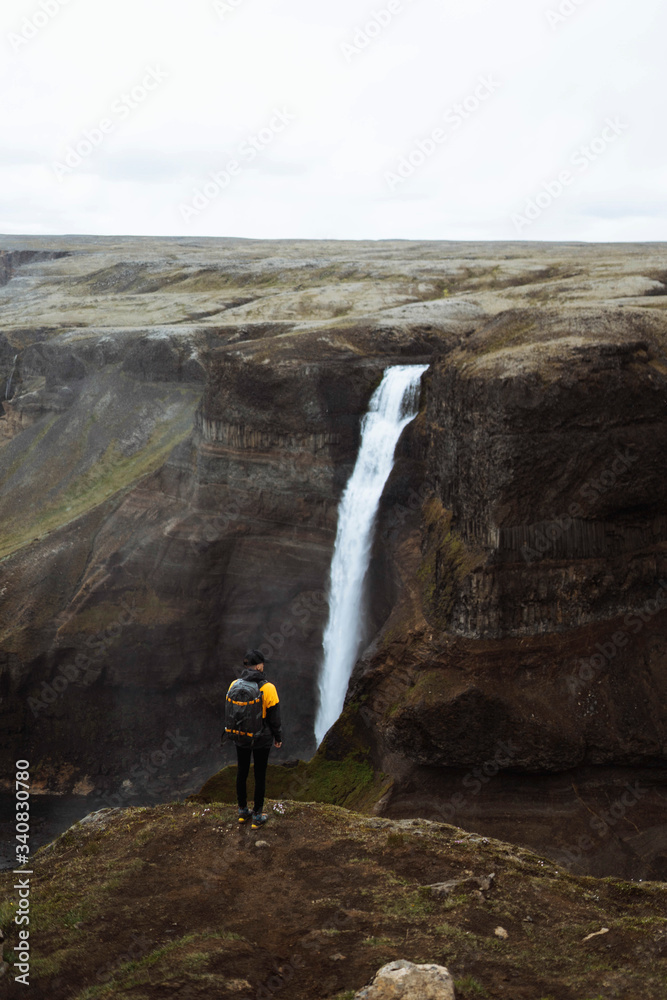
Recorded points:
(73, 478)
(350, 782)
(445, 562)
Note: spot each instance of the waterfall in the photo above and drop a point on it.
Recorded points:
(9, 382)
(393, 405)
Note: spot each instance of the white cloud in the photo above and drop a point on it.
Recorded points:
(325, 174)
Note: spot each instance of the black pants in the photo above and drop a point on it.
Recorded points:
(260, 757)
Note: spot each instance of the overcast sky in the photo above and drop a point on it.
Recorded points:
(412, 119)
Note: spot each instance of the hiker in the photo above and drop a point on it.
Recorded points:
(258, 746)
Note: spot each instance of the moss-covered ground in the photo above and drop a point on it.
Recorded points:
(180, 901)
(350, 782)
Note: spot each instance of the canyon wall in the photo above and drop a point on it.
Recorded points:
(169, 498)
(181, 420)
(530, 637)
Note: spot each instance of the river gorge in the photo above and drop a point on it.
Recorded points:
(180, 420)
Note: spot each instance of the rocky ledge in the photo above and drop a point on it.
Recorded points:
(146, 902)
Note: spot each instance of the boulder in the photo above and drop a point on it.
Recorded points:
(483, 884)
(92, 822)
(402, 980)
(98, 820)
(159, 357)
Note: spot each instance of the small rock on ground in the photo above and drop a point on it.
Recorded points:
(402, 980)
(483, 883)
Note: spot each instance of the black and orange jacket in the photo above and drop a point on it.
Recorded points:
(271, 721)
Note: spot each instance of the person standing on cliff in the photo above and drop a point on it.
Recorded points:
(271, 734)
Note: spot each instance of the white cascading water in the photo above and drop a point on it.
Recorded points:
(393, 405)
(9, 383)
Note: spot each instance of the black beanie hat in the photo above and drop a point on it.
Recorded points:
(253, 657)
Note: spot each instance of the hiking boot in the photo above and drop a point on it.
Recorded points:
(258, 819)
(244, 815)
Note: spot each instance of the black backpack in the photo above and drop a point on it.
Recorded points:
(243, 712)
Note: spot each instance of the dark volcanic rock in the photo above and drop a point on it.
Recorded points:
(10, 260)
(227, 544)
(58, 367)
(550, 457)
(169, 494)
(533, 610)
(160, 358)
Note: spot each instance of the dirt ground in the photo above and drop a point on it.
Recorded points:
(179, 901)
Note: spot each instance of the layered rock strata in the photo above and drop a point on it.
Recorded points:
(179, 421)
